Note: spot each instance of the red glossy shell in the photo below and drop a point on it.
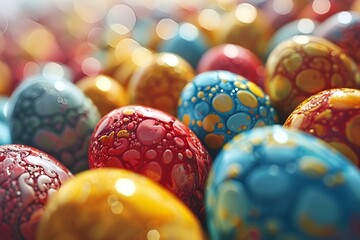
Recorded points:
(154, 144)
(27, 178)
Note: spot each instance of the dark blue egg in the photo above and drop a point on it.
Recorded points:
(275, 183)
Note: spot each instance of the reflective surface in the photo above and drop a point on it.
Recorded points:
(116, 204)
(332, 115)
(28, 177)
(276, 183)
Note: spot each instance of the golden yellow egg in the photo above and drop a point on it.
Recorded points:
(246, 26)
(111, 204)
(160, 83)
(105, 92)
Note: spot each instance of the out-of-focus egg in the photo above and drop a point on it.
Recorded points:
(320, 10)
(55, 117)
(188, 43)
(116, 204)
(217, 105)
(6, 84)
(233, 58)
(106, 93)
(334, 116)
(246, 26)
(28, 177)
(280, 12)
(157, 145)
(4, 125)
(276, 183)
(304, 26)
(305, 65)
(159, 84)
(343, 29)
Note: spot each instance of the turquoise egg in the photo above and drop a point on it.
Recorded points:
(217, 105)
(188, 43)
(4, 126)
(275, 183)
(53, 116)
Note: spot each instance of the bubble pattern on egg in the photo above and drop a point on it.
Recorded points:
(217, 105)
(27, 178)
(334, 116)
(305, 65)
(55, 117)
(157, 145)
(277, 183)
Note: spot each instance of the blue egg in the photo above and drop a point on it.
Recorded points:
(304, 26)
(275, 183)
(188, 43)
(217, 105)
(53, 116)
(4, 126)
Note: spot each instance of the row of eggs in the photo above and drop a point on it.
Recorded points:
(293, 170)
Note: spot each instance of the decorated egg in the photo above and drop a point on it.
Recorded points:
(304, 26)
(217, 105)
(28, 177)
(334, 116)
(157, 145)
(188, 43)
(55, 117)
(159, 84)
(233, 58)
(246, 26)
(106, 93)
(276, 183)
(305, 65)
(343, 29)
(116, 204)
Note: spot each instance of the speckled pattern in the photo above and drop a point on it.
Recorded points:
(277, 183)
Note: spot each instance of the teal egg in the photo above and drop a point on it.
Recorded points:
(4, 126)
(275, 183)
(53, 116)
(188, 43)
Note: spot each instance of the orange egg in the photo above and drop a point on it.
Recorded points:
(160, 83)
(105, 92)
(116, 204)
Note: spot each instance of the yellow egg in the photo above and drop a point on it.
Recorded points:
(116, 204)
(105, 92)
(160, 83)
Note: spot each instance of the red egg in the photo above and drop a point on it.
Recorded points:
(157, 145)
(233, 58)
(334, 116)
(28, 177)
(303, 66)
